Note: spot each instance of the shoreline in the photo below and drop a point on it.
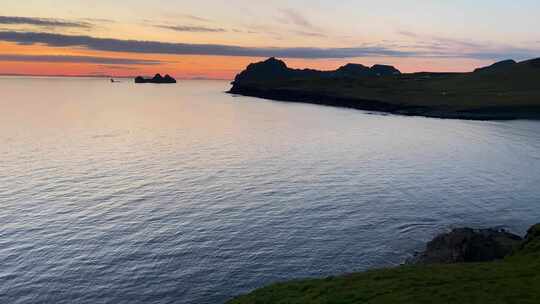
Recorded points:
(459, 266)
(481, 114)
(503, 91)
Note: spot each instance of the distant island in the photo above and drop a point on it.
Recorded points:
(504, 90)
(156, 79)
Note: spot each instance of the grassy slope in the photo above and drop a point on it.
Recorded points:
(513, 280)
(515, 86)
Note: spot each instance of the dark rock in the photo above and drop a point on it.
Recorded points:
(497, 66)
(358, 70)
(158, 79)
(384, 70)
(531, 244)
(353, 70)
(533, 62)
(271, 68)
(274, 69)
(469, 245)
(533, 233)
(168, 79)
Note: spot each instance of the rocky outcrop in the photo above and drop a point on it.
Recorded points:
(512, 280)
(384, 70)
(353, 70)
(158, 79)
(465, 245)
(531, 244)
(265, 70)
(359, 70)
(274, 69)
(533, 233)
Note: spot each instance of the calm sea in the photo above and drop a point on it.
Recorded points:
(123, 193)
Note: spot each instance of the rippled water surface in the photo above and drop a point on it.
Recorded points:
(117, 193)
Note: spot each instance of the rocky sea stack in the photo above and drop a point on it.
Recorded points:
(158, 79)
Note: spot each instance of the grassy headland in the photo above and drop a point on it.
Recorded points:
(516, 279)
(505, 90)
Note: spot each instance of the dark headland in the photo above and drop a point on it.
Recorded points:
(504, 90)
(462, 266)
(158, 79)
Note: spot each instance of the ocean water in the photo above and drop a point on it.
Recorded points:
(123, 193)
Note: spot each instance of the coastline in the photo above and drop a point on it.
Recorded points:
(297, 96)
(461, 266)
(503, 91)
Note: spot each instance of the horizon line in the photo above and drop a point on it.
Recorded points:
(100, 76)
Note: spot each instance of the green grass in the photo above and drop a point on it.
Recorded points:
(516, 279)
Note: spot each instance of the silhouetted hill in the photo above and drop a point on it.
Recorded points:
(384, 70)
(274, 69)
(504, 90)
(497, 66)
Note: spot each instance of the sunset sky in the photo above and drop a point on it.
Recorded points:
(217, 38)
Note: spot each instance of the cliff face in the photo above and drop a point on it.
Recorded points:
(504, 90)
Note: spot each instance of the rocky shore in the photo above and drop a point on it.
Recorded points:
(465, 245)
(462, 266)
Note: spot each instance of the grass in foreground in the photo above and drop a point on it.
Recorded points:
(515, 279)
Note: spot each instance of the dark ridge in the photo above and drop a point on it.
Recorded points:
(533, 62)
(353, 70)
(384, 70)
(497, 65)
(275, 69)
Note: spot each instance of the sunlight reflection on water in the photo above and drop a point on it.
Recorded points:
(118, 193)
